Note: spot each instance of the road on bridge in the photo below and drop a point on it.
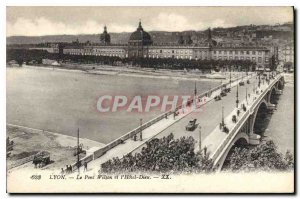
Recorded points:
(209, 115)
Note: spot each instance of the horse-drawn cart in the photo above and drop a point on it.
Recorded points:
(41, 159)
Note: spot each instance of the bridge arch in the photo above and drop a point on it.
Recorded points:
(261, 107)
(271, 95)
(280, 84)
(241, 139)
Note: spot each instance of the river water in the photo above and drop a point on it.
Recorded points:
(281, 125)
(62, 101)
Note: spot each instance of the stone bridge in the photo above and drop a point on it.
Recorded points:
(242, 132)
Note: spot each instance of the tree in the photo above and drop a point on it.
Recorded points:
(261, 157)
(162, 155)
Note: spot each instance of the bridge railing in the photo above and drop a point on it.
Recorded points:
(232, 133)
(130, 134)
(263, 93)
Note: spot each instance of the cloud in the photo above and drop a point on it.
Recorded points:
(43, 26)
(176, 22)
(90, 20)
(171, 22)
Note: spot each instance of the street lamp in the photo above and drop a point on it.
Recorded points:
(141, 133)
(230, 75)
(195, 90)
(237, 95)
(258, 80)
(78, 163)
(200, 139)
(223, 123)
(247, 95)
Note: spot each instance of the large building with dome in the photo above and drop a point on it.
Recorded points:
(140, 45)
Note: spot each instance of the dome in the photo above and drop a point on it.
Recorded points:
(140, 35)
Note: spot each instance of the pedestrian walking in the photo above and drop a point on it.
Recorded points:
(85, 166)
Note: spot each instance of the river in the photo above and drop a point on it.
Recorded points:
(62, 101)
(281, 125)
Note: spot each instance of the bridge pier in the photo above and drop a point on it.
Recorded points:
(278, 92)
(254, 139)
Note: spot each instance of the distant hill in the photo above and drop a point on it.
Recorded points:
(284, 31)
(116, 38)
(94, 38)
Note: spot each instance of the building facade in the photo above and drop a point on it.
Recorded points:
(286, 53)
(140, 45)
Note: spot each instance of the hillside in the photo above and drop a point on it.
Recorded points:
(117, 38)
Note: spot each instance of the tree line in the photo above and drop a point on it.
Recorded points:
(36, 56)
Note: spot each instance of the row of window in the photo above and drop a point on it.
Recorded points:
(95, 50)
(171, 51)
(259, 60)
(230, 52)
(177, 56)
(170, 56)
(103, 54)
(109, 50)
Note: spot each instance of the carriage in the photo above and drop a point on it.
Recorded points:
(79, 150)
(191, 125)
(41, 159)
(217, 98)
(223, 93)
(227, 90)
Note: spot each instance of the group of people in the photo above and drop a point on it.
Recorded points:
(159, 155)
(68, 170)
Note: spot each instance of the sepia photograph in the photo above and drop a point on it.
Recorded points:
(187, 99)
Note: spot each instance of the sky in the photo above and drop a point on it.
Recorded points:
(38, 21)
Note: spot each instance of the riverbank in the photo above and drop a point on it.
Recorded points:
(29, 141)
(129, 71)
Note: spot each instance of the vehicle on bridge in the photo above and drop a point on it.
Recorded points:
(79, 150)
(41, 159)
(217, 98)
(223, 93)
(227, 90)
(191, 125)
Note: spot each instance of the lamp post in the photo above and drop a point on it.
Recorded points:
(78, 166)
(195, 95)
(247, 95)
(230, 76)
(258, 80)
(141, 133)
(195, 90)
(200, 139)
(237, 96)
(223, 123)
